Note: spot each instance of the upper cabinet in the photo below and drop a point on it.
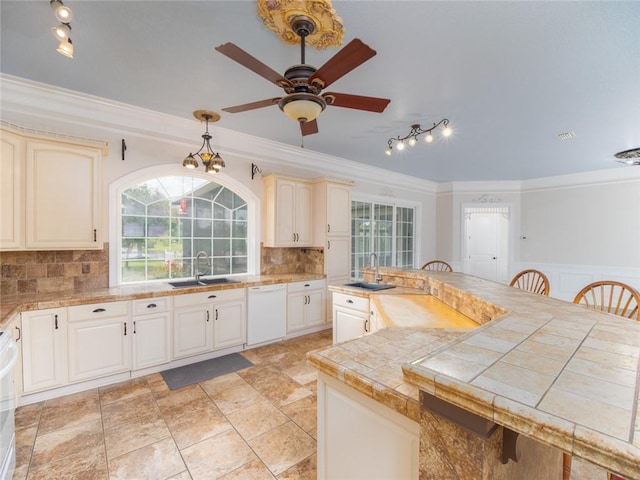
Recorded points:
(11, 191)
(288, 218)
(52, 196)
(332, 208)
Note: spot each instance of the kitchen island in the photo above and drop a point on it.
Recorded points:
(538, 377)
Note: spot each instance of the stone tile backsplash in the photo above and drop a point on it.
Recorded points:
(84, 270)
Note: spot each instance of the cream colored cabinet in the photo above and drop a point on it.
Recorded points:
(151, 324)
(203, 322)
(229, 318)
(375, 319)
(288, 215)
(11, 191)
(99, 337)
(44, 349)
(306, 306)
(350, 317)
(352, 425)
(14, 328)
(62, 201)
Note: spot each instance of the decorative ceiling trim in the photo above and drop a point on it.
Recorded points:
(278, 16)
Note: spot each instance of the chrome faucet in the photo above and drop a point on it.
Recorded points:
(373, 258)
(198, 257)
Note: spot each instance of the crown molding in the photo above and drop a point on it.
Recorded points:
(52, 108)
(623, 173)
(511, 186)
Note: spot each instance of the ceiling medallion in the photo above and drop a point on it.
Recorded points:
(278, 15)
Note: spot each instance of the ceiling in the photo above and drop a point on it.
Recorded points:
(509, 76)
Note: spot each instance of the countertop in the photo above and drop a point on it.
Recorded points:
(557, 372)
(12, 304)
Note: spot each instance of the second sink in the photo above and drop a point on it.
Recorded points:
(370, 286)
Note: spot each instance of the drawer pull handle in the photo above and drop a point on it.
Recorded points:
(99, 310)
(125, 329)
(212, 296)
(19, 333)
(207, 315)
(55, 318)
(152, 305)
(134, 327)
(349, 301)
(307, 285)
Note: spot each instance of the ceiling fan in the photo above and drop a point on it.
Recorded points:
(303, 83)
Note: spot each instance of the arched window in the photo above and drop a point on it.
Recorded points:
(165, 221)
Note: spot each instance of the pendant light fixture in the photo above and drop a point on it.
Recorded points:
(62, 32)
(211, 160)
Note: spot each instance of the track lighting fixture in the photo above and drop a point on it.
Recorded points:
(62, 32)
(412, 137)
(211, 160)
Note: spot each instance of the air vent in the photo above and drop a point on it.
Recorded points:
(565, 135)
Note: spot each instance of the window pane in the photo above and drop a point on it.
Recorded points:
(166, 221)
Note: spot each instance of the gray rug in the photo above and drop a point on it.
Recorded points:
(198, 372)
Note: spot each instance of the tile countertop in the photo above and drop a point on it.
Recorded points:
(12, 304)
(548, 369)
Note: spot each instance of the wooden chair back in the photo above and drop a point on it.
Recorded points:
(437, 265)
(611, 297)
(532, 281)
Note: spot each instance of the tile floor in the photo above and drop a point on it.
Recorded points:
(258, 423)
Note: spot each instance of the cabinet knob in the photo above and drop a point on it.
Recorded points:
(349, 301)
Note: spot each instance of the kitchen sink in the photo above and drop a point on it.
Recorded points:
(201, 283)
(370, 286)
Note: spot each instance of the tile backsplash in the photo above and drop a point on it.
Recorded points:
(83, 270)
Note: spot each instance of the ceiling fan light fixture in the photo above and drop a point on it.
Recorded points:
(302, 107)
(629, 157)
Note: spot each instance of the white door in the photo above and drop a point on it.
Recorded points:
(486, 240)
(151, 340)
(192, 330)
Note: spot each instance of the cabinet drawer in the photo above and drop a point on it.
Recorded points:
(98, 310)
(351, 301)
(306, 286)
(151, 305)
(208, 297)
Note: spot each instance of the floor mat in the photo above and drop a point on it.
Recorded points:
(198, 372)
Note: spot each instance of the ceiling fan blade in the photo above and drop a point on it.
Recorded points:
(252, 106)
(243, 58)
(350, 57)
(358, 102)
(309, 128)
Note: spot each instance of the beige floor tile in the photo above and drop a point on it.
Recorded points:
(257, 418)
(305, 470)
(70, 410)
(283, 447)
(159, 460)
(124, 390)
(85, 464)
(304, 413)
(275, 385)
(142, 430)
(28, 415)
(230, 393)
(217, 456)
(195, 423)
(25, 439)
(181, 476)
(60, 444)
(253, 470)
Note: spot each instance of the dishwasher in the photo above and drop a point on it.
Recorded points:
(267, 314)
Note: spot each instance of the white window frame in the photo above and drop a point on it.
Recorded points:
(395, 202)
(117, 187)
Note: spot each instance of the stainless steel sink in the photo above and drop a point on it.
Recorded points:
(370, 286)
(201, 283)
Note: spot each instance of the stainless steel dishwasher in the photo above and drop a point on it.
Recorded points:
(267, 314)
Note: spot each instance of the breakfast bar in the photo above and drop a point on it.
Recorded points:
(536, 378)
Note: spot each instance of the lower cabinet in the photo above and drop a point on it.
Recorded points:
(351, 317)
(99, 337)
(151, 332)
(44, 349)
(354, 426)
(306, 306)
(207, 321)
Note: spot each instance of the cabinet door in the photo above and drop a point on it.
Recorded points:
(44, 349)
(285, 205)
(62, 196)
(337, 259)
(304, 217)
(315, 314)
(348, 324)
(11, 192)
(192, 330)
(296, 306)
(229, 324)
(338, 209)
(99, 347)
(15, 330)
(151, 340)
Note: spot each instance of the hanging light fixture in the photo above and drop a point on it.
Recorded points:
(629, 157)
(412, 137)
(65, 48)
(62, 12)
(211, 160)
